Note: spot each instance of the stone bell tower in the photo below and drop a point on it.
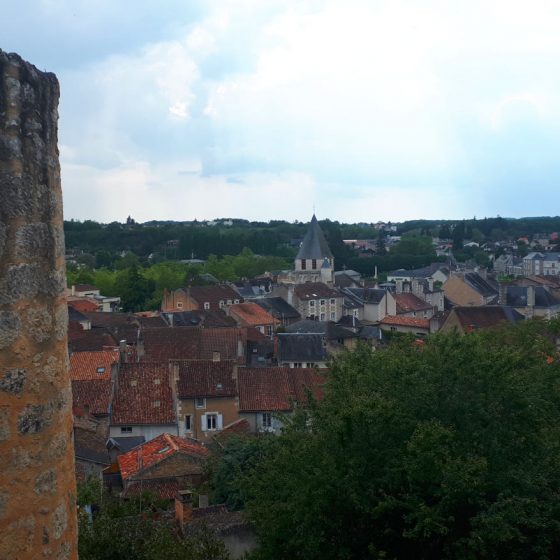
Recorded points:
(37, 486)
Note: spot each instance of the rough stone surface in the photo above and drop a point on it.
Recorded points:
(39, 324)
(9, 328)
(37, 487)
(13, 380)
(45, 483)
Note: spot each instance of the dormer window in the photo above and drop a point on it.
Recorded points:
(179, 305)
(206, 305)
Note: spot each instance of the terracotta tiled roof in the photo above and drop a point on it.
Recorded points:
(192, 343)
(84, 288)
(275, 388)
(407, 303)
(231, 343)
(152, 452)
(315, 290)
(93, 365)
(162, 488)
(82, 305)
(406, 322)
(80, 340)
(143, 395)
(93, 393)
(251, 315)
(486, 316)
(212, 295)
(201, 378)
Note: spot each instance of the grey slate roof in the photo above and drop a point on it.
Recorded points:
(295, 347)
(124, 444)
(329, 330)
(365, 295)
(278, 307)
(314, 245)
(482, 286)
(517, 297)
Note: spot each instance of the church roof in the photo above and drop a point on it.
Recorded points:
(314, 245)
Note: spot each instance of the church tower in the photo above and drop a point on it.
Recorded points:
(314, 261)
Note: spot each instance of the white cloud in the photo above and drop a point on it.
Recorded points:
(342, 99)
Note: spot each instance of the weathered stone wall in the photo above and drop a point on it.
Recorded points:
(37, 485)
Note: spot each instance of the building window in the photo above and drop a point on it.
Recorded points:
(100, 370)
(333, 301)
(188, 423)
(229, 301)
(303, 264)
(222, 303)
(314, 264)
(267, 420)
(297, 364)
(323, 302)
(310, 364)
(200, 402)
(215, 356)
(126, 429)
(206, 305)
(312, 303)
(322, 317)
(333, 315)
(211, 422)
(236, 301)
(179, 305)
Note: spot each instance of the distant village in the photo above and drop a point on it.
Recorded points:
(154, 391)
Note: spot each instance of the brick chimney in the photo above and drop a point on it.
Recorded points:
(183, 507)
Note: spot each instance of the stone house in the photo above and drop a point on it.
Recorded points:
(143, 403)
(206, 397)
(314, 300)
(472, 318)
(163, 465)
(301, 350)
(470, 289)
(221, 296)
(375, 303)
(250, 314)
(268, 394)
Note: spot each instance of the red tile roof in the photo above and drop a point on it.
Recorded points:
(407, 303)
(80, 340)
(162, 488)
(82, 305)
(152, 452)
(94, 393)
(93, 365)
(251, 315)
(193, 343)
(315, 290)
(143, 395)
(212, 295)
(201, 378)
(276, 388)
(406, 322)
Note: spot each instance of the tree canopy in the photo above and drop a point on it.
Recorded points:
(448, 449)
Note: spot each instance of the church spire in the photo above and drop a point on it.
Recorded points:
(314, 245)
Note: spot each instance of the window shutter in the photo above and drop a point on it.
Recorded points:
(203, 422)
(219, 423)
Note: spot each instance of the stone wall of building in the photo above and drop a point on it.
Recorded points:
(37, 488)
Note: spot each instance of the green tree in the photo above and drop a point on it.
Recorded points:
(134, 290)
(448, 450)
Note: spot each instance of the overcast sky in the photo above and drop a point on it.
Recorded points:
(263, 109)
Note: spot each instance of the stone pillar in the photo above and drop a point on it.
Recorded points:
(37, 484)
